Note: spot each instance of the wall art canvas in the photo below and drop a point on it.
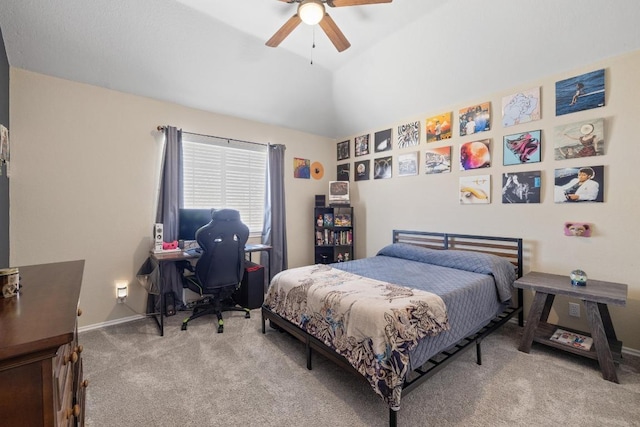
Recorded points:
(301, 168)
(382, 141)
(408, 164)
(521, 187)
(437, 160)
(474, 119)
(343, 172)
(343, 150)
(409, 135)
(579, 184)
(475, 155)
(581, 139)
(579, 93)
(522, 148)
(362, 145)
(475, 190)
(439, 127)
(382, 168)
(361, 170)
(521, 107)
(4, 144)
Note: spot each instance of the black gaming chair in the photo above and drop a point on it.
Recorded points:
(219, 270)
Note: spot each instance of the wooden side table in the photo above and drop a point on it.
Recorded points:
(596, 296)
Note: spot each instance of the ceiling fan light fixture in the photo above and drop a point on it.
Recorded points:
(311, 11)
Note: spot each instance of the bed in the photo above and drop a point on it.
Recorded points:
(400, 316)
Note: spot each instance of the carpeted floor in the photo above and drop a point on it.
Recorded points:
(244, 378)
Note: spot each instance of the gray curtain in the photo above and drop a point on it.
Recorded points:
(169, 202)
(274, 231)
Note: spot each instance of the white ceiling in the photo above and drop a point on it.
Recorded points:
(405, 58)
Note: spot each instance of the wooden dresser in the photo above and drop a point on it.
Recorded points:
(41, 380)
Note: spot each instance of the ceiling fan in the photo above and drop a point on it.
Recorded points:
(313, 12)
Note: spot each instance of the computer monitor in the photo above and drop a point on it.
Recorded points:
(190, 220)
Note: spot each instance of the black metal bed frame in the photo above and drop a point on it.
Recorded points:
(507, 247)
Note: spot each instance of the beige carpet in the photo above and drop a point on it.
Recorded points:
(244, 378)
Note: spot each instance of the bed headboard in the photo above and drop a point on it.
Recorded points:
(506, 247)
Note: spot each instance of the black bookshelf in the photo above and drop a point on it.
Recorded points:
(333, 234)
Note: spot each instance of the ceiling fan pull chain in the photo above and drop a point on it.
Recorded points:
(313, 45)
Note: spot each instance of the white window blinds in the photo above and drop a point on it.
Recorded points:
(220, 173)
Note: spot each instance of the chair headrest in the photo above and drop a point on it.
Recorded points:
(225, 215)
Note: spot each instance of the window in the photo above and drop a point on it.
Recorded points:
(220, 173)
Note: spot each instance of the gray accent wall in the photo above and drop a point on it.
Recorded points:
(4, 181)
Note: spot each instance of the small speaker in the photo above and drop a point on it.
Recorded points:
(169, 304)
(158, 236)
(320, 201)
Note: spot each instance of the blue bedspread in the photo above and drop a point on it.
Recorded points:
(475, 287)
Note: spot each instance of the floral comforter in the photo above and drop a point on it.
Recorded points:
(373, 324)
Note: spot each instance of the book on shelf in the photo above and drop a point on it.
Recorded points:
(572, 339)
(328, 220)
(342, 220)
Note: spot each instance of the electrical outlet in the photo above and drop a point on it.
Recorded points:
(574, 309)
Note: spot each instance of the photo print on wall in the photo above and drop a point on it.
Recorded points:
(408, 164)
(409, 135)
(521, 187)
(579, 184)
(362, 145)
(439, 127)
(522, 107)
(361, 170)
(475, 155)
(579, 93)
(343, 150)
(301, 168)
(382, 168)
(581, 139)
(382, 141)
(343, 172)
(521, 148)
(474, 119)
(475, 190)
(437, 160)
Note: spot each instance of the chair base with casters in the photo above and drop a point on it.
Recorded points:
(213, 304)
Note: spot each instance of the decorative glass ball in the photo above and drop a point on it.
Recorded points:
(578, 278)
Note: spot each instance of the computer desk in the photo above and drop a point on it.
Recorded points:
(163, 257)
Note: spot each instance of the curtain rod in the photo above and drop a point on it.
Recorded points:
(161, 129)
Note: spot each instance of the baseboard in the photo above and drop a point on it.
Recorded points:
(111, 323)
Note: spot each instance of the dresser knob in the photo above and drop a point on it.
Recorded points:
(76, 410)
(84, 384)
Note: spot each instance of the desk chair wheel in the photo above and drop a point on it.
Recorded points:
(247, 315)
(184, 326)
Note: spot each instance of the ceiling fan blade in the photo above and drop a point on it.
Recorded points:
(332, 31)
(340, 3)
(284, 31)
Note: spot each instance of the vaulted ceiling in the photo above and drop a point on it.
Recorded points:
(406, 57)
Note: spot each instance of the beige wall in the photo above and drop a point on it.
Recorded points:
(84, 178)
(85, 172)
(430, 202)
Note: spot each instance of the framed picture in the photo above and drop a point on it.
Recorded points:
(521, 148)
(581, 139)
(475, 190)
(579, 184)
(437, 160)
(522, 107)
(361, 170)
(439, 127)
(343, 150)
(362, 145)
(301, 168)
(408, 164)
(382, 168)
(475, 155)
(409, 135)
(521, 187)
(474, 119)
(382, 141)
(579, 93)
(343, 172)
